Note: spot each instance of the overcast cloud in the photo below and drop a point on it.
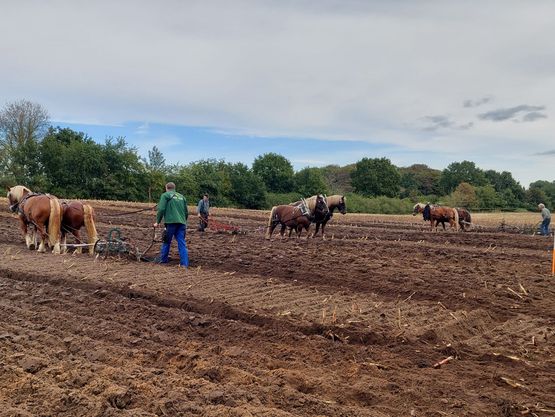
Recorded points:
(371, 71)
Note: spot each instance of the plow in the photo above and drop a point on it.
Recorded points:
(117, 245)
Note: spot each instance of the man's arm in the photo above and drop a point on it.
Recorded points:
(161, 208)
(186, 209)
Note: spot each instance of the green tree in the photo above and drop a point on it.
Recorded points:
(247, 189)
(464, 196)
(420, 178)
(505, 185)
(22, 127)
(184, 181)
(458, 172)
(375, 177)
(212, 177)
(310, 181)
(156, 171)
(535, 196)
(124, 176)
(338, 179)
(548, 189)
(73, 163)
(488, 198)
(275, 171)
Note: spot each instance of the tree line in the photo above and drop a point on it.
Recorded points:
(73, 165)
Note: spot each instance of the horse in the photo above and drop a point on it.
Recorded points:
(333, 202)
(43, 211)
(465, 221)
(76, 215)
(294, 217)
(437, 214)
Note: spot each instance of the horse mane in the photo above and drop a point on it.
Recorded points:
(334, 200)
(311, 203)
(18, 192)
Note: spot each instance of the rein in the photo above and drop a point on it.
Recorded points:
(130, 212)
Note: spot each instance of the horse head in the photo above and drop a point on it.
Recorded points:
(321, 208)
(15, 195)
(342, 207)
(418, 208)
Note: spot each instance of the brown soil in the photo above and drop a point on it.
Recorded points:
(350, 326)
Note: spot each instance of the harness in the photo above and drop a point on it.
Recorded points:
(19, 206)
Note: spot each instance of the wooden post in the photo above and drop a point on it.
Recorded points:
(553, 257)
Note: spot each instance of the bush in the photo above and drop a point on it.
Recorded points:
(276, 199)
(383, 205)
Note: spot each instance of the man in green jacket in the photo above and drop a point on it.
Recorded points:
(172, 207)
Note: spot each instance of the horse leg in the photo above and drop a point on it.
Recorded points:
(316, 231)
(27, 233)
(323, 230)
(43, 238)
(282, 231)
(63, 242)
(77, 235)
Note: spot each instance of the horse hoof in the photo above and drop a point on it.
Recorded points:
(31, 247)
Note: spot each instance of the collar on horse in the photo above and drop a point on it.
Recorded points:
(18, 207)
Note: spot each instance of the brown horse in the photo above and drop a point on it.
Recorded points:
(76, 215)
(465, 221)
(333, 202)
(42, 211)
(437, 214)
(294, 217)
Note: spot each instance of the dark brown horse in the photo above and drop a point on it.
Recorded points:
(294, 217)
(437, 214)
(465, 221)
(76, 215)
(38, 213)
(333, 202)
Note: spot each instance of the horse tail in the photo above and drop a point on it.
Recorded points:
(55, 224)
(88, 217)
(270, 221)
(456, 214)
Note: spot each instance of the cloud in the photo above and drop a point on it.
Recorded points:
(546, 153)
(478, 102)
(523, 112)
(329, 70)
(530, 117)
(444, 122)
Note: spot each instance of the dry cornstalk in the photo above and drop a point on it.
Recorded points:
(512, 383)
(515, 293)
(333, 316)
(443, 305)
(409, 297)
(522, 289)
(455, 317)
(399, 318)
(443, 361)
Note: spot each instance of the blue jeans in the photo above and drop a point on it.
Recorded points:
(178, 231)
(545, 227)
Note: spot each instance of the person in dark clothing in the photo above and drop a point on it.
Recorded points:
(203, 210)
(172, 207)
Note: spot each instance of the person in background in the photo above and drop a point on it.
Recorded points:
(203, 210)
(172, 207)
(546, 216)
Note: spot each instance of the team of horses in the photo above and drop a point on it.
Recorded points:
(43, 218)
(299, 215)
(457, 217)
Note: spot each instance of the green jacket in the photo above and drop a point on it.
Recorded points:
(173, 208)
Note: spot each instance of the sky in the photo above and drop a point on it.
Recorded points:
(319, 82)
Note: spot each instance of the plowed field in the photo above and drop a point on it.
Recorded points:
(349, 326)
